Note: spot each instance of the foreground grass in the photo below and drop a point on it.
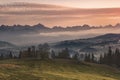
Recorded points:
(55, 70)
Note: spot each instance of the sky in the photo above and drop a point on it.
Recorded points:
(60, 12)
(73, 3)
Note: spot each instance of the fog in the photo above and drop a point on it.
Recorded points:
(51, 37)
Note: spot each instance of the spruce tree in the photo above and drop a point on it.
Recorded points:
(109, 56)
(53, 54)
(1, 56)
(92, 58)
(101, 59)
(10, 55)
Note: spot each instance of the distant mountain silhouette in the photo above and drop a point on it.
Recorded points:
(41, 27)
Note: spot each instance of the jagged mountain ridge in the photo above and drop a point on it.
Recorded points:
(41, 27)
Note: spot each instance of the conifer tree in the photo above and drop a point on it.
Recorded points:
(10, 55)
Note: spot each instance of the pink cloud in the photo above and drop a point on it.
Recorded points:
(48, 14)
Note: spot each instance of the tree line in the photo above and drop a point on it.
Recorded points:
(7, 56)
(42, 51)
(111, 57)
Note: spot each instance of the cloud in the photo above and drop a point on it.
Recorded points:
(26, 12)
(46, 9)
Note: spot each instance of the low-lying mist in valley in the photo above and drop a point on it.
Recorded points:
(51, 37)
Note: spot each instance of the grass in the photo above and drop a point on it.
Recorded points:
(55, 70)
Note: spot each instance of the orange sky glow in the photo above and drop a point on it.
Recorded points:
(60, 13)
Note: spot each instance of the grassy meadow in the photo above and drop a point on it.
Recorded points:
(31, 69)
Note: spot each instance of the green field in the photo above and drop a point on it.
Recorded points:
(55, 70)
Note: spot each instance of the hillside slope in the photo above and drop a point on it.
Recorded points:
(6, 44)
(55, 70)
(98, 40)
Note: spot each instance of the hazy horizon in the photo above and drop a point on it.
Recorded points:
(52, 37)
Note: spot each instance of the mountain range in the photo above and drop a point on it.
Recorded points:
(42, 28)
